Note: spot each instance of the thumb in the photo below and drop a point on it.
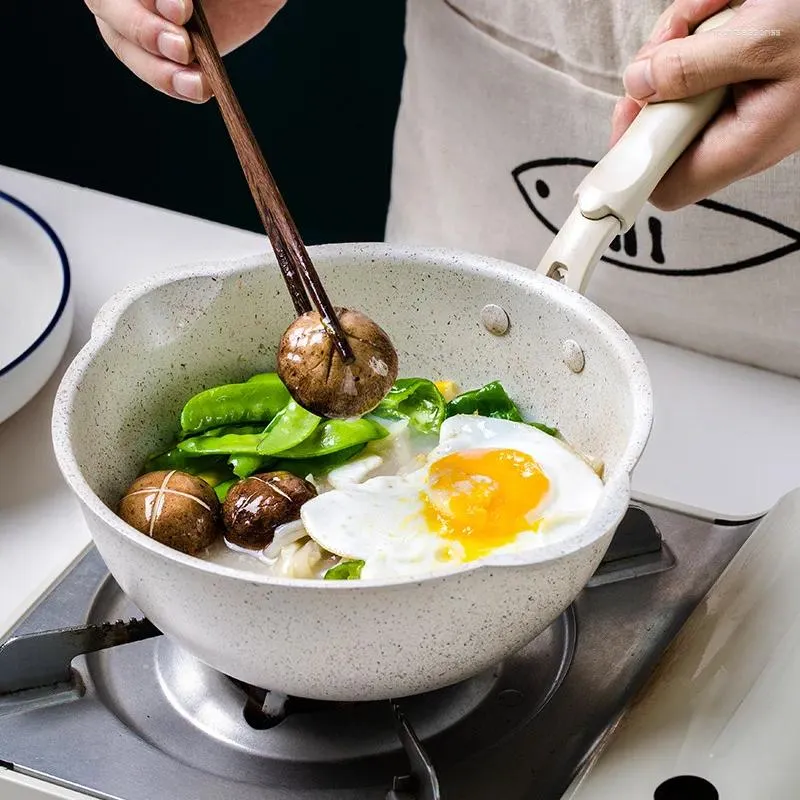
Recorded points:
(690, 66)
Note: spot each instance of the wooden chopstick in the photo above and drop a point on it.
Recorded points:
(298, 271)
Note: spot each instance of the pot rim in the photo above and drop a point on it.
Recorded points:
(606, 515)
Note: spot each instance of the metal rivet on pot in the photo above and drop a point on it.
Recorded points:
(494, 319)
(573, 355)
(558, 272)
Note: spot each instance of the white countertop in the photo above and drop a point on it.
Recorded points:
(725, 438)
(723, 703)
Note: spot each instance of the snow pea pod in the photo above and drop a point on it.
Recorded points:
(226, 429)
(174, 458)
(492, 401)
(544, 428)
(222, 430)
(222, 489)
(292, 425)
(337, 434)
(245, 465)
(215, 476)
(416, 399)
(317, 466)
(271, 378)
(235, 403)
(488, 401)
(225, 445)
(346, 571)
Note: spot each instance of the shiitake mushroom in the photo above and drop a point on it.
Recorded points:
(256, 506)
(318, 378)
(174, 508)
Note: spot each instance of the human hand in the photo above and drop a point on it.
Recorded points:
(757, 53)
(149, 38)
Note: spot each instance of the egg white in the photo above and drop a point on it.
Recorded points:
(381, 522)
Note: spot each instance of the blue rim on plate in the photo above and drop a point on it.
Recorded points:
(62, 303)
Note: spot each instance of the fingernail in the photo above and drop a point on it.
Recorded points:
(173, 10)
(188, 84)
(638, 80)
(173, 47)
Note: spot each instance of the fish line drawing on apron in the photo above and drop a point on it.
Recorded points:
(538, 180)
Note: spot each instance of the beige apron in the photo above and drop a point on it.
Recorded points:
(507, 104)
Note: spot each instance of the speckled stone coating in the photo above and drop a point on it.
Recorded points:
(156, 344)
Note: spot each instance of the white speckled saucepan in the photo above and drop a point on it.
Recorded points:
(156, 344)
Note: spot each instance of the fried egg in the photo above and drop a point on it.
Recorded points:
(490, 486)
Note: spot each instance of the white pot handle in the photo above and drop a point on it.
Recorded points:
(611, 196)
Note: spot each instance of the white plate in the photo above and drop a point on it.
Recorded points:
(35, 303)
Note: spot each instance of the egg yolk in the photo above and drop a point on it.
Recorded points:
(483, 498)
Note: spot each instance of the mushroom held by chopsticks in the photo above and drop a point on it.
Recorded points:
(318, 377)
(334, 363)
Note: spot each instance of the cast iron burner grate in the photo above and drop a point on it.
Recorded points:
(158, 723)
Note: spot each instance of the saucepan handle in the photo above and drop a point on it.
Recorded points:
(615, 191)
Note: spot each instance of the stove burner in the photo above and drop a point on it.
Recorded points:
(637, 549)
(144, 719)
(265, 709)
(423, 782)
(191, 710)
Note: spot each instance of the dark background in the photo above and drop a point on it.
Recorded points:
(320, 86)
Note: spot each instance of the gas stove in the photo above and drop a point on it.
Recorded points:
(94, 698)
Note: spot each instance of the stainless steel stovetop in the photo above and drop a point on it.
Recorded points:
(145, 720)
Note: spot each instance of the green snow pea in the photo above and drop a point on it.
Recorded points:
(246, 465)
(271, 378)
(320, 465)
(291, 425)
(222, 489)
(222, 430)
(225, 444)
(489, 401)
(216, 475)
(255, 401)
(492, 401)
(337, 434)
(173, 458)
(346, 571)
(194, 458)
(416, 399)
